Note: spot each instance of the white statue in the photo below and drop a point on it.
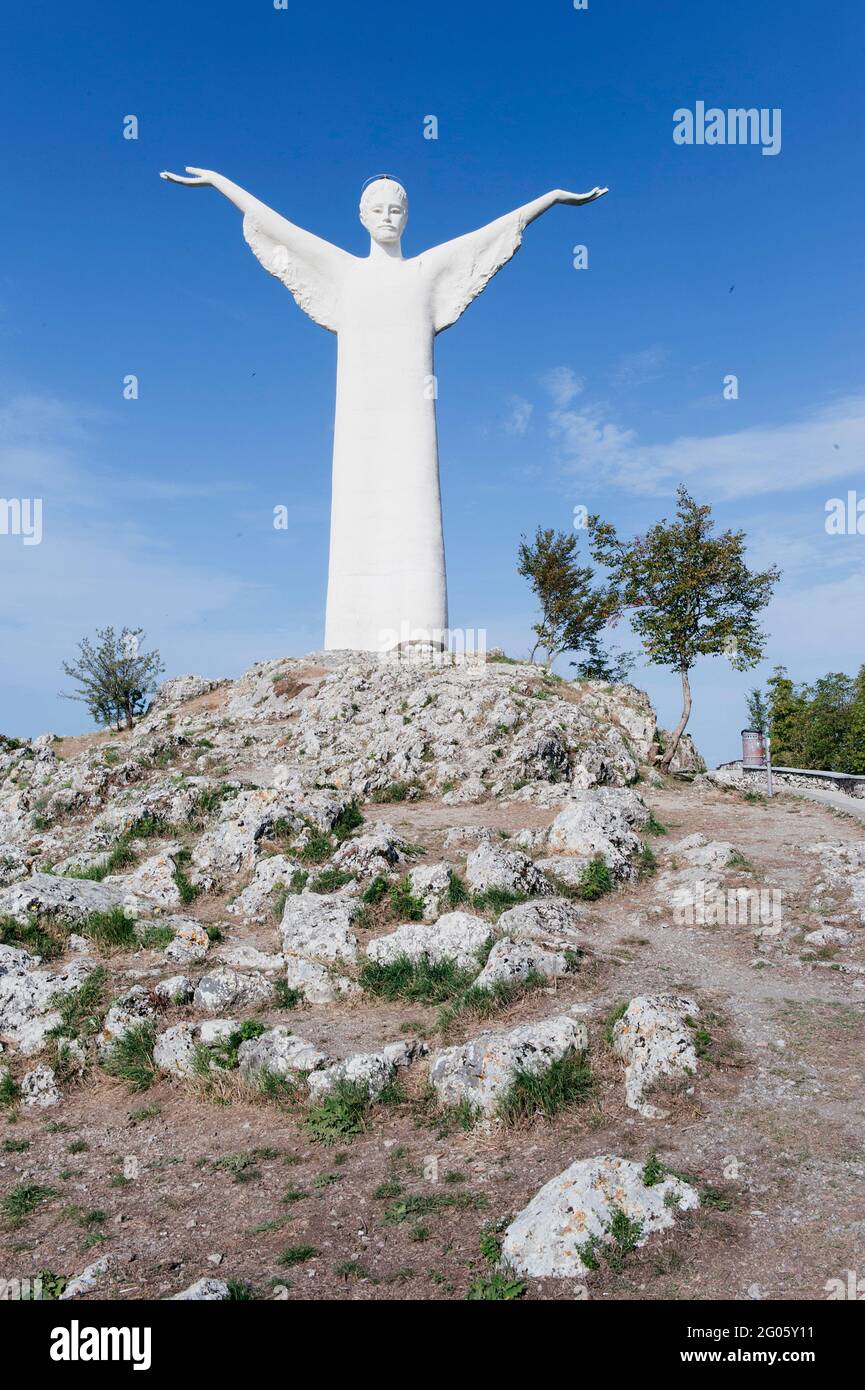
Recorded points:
(386, 576)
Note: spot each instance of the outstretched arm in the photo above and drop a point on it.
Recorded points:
(458, 270)
(533, 210)
(306, 264)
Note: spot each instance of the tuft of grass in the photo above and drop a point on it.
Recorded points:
(188, 890)
(15, 1146)
(224, 1051)
(374, 891)
(654, 826)
(737, 860)
(612, 1019)
(411, 1207)
(457, 891)
(10, 1091)
(45, 937)
(498, 900)
(403, 901)
(110, 931)
(239, 1291)
(22, 1201)
(567, 1081)
(329, 880)
(397, 791)
(481, 1001)
(285, 997)
(297, 1254)
(317, 848)
(595, 880)
(653, 1170)
(155, 938)
(348, 820)
(498, 1287)
(647, 864)
(81, 1009)
(131, 1057)
(150, 827)
(422, 980)
(340, 1114)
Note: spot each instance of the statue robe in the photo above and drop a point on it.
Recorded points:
(386, 576)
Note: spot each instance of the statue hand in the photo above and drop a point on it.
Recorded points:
(577, 198)
(204, 178)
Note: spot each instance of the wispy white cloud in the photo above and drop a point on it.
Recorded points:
(519, 415)
(636, 368)
(562, 386)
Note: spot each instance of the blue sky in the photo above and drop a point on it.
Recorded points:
(559, 387)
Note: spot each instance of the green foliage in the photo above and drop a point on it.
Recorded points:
(115, 678)
(21, 1201)
(403, 901)
(498, 1287)
(329, 880)
(573, 612)
(688, 593)
(285, 997)
(111, 930)
(45, 936)
(423, 981)
(10, 1091)
(457, 891)
(224, 1051)
(758, 711)
(396, 791)
(820, 726)
(481, 1001)
(595, 880)
(567, 1081)
(186, 888)
(297, 1254)
(612, 1019)
(340, 1114)
(375, 891)
(81, 1009)
(131, 1057)
(349, 819)
(412, 1207)
(653, 1170)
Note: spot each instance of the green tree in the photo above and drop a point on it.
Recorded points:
(115, 677)
(854, 745)
(788, 708)
(573, 612)
(689, 593)
(758, 713)
(827, 723)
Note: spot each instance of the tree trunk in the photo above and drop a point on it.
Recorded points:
(670, 750)
(128, 713)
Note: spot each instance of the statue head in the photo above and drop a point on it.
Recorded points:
(384, 209)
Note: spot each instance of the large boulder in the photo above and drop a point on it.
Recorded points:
(278, 1051)
(481, 1070)
(509, 870)
(601, 822)
(456, 936)
(29, 997)
(572, 1216)
(656, 1041)
(232, 989)
(510, 962)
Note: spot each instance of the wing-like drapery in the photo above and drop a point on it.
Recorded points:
(458, 270)
(311, 268)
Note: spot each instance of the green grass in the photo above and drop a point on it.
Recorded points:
(45, 937)
(653, 826)
(396, 791)
(412, 1207)
(285, 997)
(421, 981)
(458, 893)
(155, 938)
(22, 1201)
(15, 1146)
(110, 931)
(595, 880)
(403, 902)
(317, 848)
(188, 890)
(81, 1009)
(612, 1019)
(297, 1254)
(374, 891)
(498, 900)
(647, 864)
(498, 1287)
(566, 1082)
(329, 880)
(224, 1051)
(122, 856)
(737, 860)
(348, 820)
(131, 1058)
(653, 1170)
(340, 1114)
(150, 827)
(10, 1091)
(481, 1001)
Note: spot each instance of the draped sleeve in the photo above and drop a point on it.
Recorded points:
(311, 268)
(458, 270)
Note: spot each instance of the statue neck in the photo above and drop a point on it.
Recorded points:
(390, 251)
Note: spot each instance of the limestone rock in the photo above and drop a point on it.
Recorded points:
(480, 1071)
(70, 899)
(28, 997)
(655, 1041)
(456, 936)
(376, 851)
(279, 1051)
(510, 961)
(491, 866)
(86, 1281)
(431, 883)
(204, 1291)
(576, 1209)
(231, 989)
(39, 1087)
(601, 822)
(177, 989)
(318, 926)
(373, 1070)
(190, 943)
(551, 920)
(258, 900)
(131, 1009)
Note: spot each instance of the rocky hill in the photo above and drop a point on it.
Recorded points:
(357, 980)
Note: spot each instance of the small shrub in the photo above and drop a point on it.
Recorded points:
(348, 820)
(374, 891)
(595, 880)
(329, 880)
(297, 1254)
(340, 1114)
(131, 1057)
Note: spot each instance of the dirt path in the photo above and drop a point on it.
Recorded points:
(771, 1130)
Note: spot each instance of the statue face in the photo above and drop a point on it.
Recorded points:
(384, 211)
